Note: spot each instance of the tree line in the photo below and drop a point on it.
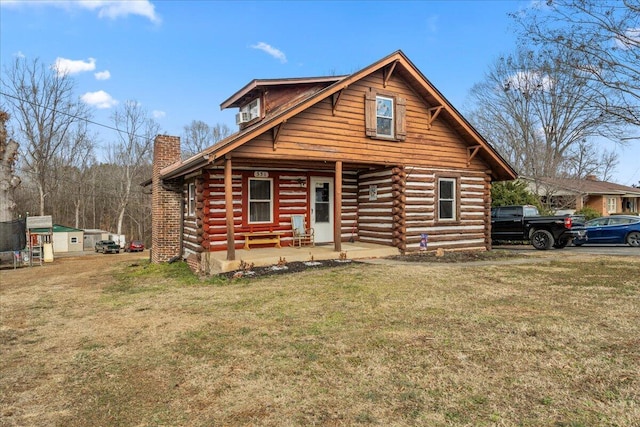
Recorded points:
(59, 169)
(572, 82)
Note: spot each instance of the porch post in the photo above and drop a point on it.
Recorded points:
(228, 207)
(337, 216)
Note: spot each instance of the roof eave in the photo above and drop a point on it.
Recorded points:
(233, 99)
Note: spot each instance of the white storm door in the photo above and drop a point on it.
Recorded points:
(322, 208)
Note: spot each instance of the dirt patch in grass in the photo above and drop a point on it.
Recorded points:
(455, 256)
(111, 340)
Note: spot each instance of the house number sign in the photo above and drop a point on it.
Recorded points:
(261, 174)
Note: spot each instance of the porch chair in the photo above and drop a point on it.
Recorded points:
(301, 234)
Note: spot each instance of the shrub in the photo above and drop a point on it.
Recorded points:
(588, 213)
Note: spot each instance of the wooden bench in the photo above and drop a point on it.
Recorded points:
(261, 238)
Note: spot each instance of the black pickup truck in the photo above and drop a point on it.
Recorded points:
(525, 223)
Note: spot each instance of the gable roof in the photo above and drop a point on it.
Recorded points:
(252, 89)
(402, 65)
(588, 186)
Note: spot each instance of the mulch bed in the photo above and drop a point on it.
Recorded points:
(432, 257)
(454, 256)
(289, 267)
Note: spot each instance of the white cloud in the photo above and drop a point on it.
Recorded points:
(276, 53)
(99, 99)
(103, 75)
(111, 9)
(71, 66)
(528, 81)
(157, 114)
(19, 54)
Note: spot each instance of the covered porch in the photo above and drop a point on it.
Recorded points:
(260, 257)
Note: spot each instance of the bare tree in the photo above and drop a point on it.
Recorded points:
(71, 171)
(198, 135)
(585, 158)
(8, 181)
(537, 113)
(132, 153)
(46, 110)
(603, 38)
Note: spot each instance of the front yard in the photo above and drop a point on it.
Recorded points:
(109, 340)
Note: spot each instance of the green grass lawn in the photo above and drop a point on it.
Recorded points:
(553, 344)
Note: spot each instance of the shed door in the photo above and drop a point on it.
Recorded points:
(322, 208)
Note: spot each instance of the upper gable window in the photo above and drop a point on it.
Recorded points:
(385, 115)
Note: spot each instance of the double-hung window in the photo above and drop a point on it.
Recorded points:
(191, 199)
(447, 209)
(260, 200)
(384, 117)
(612, 205)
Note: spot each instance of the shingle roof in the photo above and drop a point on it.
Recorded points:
(589, 186)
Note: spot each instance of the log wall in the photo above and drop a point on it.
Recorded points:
(318, 134)
(470, 231)
(375, 219)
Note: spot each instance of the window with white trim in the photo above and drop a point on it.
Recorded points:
(446, 199)
(191, 199)
(252, 108)
(384, 116)
(260, 200)
(612, 204)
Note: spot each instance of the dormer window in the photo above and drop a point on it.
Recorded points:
(249, 112)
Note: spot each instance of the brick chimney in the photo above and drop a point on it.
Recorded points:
(591, 178)
(166, 205)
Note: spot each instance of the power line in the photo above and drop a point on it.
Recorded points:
(72, 116)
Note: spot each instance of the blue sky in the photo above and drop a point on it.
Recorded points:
(181, 59)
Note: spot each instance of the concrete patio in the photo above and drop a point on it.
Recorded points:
(270, 256)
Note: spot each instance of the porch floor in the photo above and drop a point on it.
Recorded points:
(270, 256)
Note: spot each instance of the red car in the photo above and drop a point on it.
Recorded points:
(134, 246)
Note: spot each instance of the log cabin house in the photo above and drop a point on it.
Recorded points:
(378, 156)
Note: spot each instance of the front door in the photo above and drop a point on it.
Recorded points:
(322, 208)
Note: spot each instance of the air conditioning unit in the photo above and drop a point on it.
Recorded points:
(243, 117)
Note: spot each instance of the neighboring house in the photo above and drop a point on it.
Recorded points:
(606, 198)
(65, 239)
(378, 156)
